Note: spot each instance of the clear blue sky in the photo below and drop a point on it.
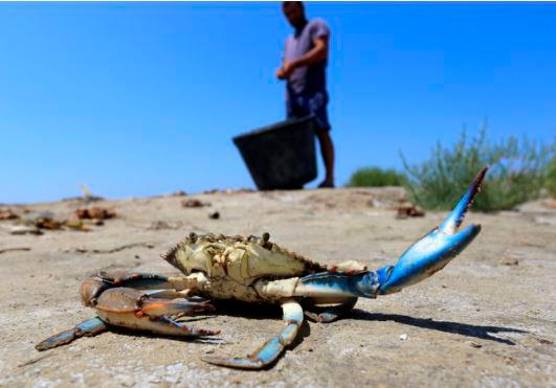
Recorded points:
(142, 99)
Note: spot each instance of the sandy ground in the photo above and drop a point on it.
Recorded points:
(488, 319)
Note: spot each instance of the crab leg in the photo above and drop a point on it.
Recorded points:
(133, 309)
(273, 348)
(421, 260)
(147, 306)
(88, 328)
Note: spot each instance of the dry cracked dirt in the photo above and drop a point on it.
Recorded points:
(487, 319)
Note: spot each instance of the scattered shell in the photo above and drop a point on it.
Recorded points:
(23, 229)
(545, 220)
(76, 225)
(94, 213)
(544, 341)
(550, 203)
(161, 225)
(193, 202)
(229, 191)
(474, 344)
(179, 193)
(510, 261)
(8, 214)
(407, 209)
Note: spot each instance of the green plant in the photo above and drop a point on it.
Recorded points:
(375, 177)
(551, 178)
(517, 172)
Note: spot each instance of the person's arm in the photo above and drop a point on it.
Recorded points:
(317, 54)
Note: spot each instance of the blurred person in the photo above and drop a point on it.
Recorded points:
(304, 70)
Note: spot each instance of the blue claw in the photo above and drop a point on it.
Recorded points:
(431, 253)
(455, 218)
(425, 257)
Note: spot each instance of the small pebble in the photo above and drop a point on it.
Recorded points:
(403, 337)
(544, 341)
(510, 261)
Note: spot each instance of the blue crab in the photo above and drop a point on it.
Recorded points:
(256, 270)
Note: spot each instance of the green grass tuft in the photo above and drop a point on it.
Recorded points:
(551, 178)
(518, 171)
(375, 177)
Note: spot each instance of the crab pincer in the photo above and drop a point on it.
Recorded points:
(437, 248)
(421, 260)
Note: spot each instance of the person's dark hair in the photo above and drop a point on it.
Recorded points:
(286, 4)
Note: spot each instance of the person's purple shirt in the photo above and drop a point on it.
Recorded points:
(306, 79)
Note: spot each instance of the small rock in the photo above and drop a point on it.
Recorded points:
(160, 225)
(509, 261)
(21, 230)
(403, 337)
(193, 202)
(8, 214)
(550, 203)
(474, 344)
(76, 225)
(548, 220)
(48, 223)
(94, 213)
(544, 341)
(407, 209)
(214, 216)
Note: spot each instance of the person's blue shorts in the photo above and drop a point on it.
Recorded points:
(301, 105)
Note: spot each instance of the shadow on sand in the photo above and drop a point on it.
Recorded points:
(468, 330)
(251, 311)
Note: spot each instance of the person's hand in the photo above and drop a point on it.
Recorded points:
(280, 73)
(286, 70)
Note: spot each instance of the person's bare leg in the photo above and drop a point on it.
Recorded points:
(327, 152)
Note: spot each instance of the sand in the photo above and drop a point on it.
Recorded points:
(487, 319)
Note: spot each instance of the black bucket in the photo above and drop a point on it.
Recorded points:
(280, 156)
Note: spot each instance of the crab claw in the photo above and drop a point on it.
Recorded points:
(432, 252)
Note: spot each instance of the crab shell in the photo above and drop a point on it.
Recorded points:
(237, 267)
